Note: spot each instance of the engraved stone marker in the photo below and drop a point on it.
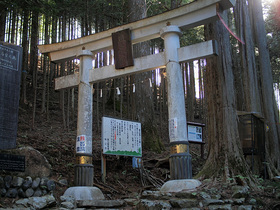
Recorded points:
(10, 75)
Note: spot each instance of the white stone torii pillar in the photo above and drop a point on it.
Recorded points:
(84, 167)
(180, 159)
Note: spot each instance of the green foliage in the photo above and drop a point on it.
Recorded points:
(272, 22)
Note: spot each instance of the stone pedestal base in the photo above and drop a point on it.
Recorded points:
(84, 193)
(180, 185)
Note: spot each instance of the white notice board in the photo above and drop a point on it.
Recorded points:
(121, 137)
(195, 133)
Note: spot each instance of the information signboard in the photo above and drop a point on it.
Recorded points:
(10, 75)
(121, 137)
(195, 133)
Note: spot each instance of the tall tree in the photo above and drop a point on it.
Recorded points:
(247, 81)
(225, 159)
(2, 20)
(268, 97)
(144, 95)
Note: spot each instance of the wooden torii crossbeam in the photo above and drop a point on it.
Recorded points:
(168, 26)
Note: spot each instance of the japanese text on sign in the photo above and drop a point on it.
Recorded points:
(195, 133)
(9, 58)
(120, 137)
(81, 144)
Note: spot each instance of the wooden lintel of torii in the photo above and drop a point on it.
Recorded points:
(142, 64)
(185, 17)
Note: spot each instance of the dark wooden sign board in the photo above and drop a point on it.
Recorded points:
(122, 49)
(10, 76)
(10, 162)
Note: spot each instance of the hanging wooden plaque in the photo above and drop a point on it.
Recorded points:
(122, 49)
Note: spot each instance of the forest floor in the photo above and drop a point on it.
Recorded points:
(58, 146)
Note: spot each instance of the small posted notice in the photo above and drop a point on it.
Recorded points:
(121, 137)
(81, 144)
(173, 129)
(195, 133)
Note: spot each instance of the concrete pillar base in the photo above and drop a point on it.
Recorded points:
(180, 185)
(84, 193)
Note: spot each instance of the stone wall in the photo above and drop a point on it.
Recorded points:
(15, 186)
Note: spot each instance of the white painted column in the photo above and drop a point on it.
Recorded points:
(84, 167)
(180, 159)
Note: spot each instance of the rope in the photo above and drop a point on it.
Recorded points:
(223, 22)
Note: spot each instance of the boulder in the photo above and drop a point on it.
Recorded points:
(2, 182)
(184, 203)
(12, 193)
(36, 165)
(240, 191)
(67, 205)
(36, 183)
(42, 202)
(29, 192)
(153, 205)
(27, 183)
(17, 181)
(7, 181)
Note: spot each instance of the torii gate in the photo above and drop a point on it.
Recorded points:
(167, 26)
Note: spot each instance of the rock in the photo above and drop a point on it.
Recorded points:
(187, 195)
(50, 185)
(12, 193)
(21, 193)
(153, 205)
(3, 192)
(17, 181)
(43, 183)
(8, 180)
(131, 201)
(2, 182)
(228, 201)
(253, 201)
(63, 182)
(204, 195)
(240, 191)
(67, 205)
(100, 203)
(67, 199)
(184, 203)
(207, 201)
(29, 192)
(27, 183)
(239, 201)
(38, 193)
(155, 195)
(220, 207)
(218, 196)
(36, 165)
(276, 179)
(245, 207)
(42, 202)
(22, 203)
(36, 183)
